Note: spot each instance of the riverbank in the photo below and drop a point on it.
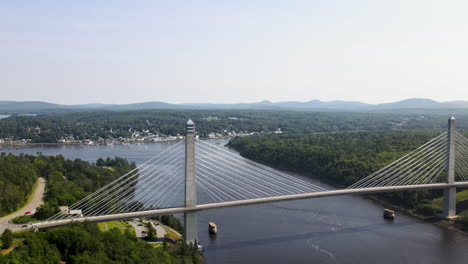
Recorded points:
(19, 145)
(436, 220)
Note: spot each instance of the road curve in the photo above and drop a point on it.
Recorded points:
(36, 201)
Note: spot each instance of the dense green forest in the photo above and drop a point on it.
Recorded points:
(339, 158)
(17, 177)
(107, 124)
(85, 244)
(67, 180)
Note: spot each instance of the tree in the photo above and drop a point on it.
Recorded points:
(151, 232)
(7, 238)
(46, 210)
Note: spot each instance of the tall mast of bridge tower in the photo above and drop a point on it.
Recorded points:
(190, 217)
(450, 193)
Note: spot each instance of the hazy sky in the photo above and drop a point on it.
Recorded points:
(233, 51)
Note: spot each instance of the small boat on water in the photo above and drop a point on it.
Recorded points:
(212, 228)
(388, 214)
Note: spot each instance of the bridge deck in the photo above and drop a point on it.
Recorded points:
(372, 190)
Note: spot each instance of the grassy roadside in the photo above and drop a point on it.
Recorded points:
(31, 196)
(120, 225)
(461, 196)
(172, 234)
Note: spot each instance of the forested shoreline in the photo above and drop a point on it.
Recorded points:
(124, 124)
(67, 180)
(341, 158)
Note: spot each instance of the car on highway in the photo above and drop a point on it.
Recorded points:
(27, 213)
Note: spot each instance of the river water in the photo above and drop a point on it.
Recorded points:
(342, 229)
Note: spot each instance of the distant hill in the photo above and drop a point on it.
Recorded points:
(420, 104)
(412, 103)
(13, 106)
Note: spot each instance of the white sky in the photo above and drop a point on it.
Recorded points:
(233, 51)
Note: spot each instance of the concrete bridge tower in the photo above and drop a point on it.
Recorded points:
(190, 217)
(449, 210)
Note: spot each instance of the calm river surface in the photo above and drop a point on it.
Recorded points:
(343, 229)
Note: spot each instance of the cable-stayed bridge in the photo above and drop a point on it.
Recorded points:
(169, 182)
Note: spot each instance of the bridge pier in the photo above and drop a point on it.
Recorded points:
(190, 217)
(449, 210)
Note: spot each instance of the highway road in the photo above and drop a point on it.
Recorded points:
(36, 201)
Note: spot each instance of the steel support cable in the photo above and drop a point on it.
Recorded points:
(269, 177)
(136, 170)
(461, 171)
(461, 141)
(214, 188)
(171, 200)
(413, 171)
(414, 176)
(436, 164)
(220, 199)
(231, 171)
(119, 203)
(402, 160)
(397, 162)
(154, 169)
(415, 168)
(125, 204)
(397, 171)
(462, 152)
(208, 192)
(395, 174)
(239, 174)
(438, 172)
(128, 190)
(101, 198)
(230, 188)
(154, 181)
(401, 168)
(167, 189)
(461, 136)
(102, 191)
(205, 170)
(422, 176)
(171, 191)
(175, 194)
(243, 193)
(169, 175)
(259, 166)
(461, 146)
(265, 174)
(125, 192)
(461, 165)
(144, 206)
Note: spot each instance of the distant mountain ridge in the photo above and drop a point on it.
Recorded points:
(15, 107)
